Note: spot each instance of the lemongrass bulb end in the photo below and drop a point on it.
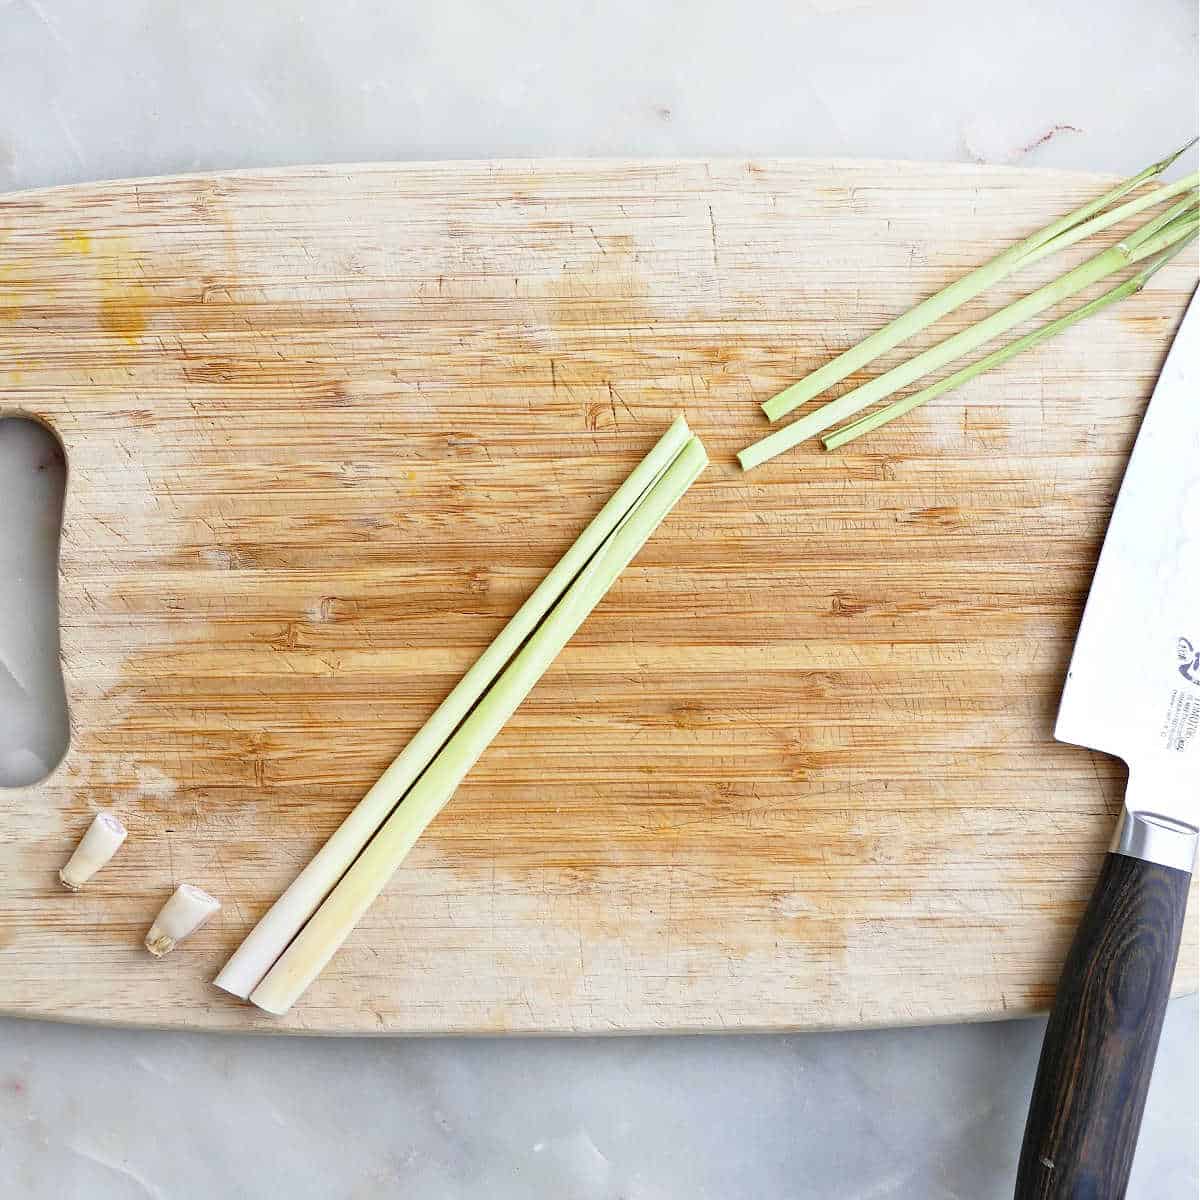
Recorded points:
(265, 1003)
(102, 840)
(239, 983)
(187, 909)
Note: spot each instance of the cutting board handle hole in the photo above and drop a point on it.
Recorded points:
(34, 725)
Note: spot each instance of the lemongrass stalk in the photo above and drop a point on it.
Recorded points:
(1114, 216)
(1182, 210)
(331, 924)
(950, 297)
(187, 909)
(873, 421)
(267, 940)
(1150, 239)
(102, 840)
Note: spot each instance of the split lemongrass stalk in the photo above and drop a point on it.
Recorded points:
(955, 294)
(268, 939)
(331, 924)
(188, 908)
(103, 839)
(900, 408)
(1174, 225)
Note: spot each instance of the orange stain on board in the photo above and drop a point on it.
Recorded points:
(76, 241)
(10, 297)
(124, 300)
(123, 311)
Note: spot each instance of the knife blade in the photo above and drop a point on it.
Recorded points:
(1133, 691)
(1133, 687)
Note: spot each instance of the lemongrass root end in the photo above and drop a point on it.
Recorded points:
(102, 840)
(187, 909)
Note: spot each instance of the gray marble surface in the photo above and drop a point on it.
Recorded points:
(137, 88)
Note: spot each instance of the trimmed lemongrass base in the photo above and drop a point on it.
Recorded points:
(270, 937)
(103, 839)
(187, 909)
(873, 421)
(1178, 222)
(953, 295)
(317, 942)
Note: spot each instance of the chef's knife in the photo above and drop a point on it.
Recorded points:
(1133, 690)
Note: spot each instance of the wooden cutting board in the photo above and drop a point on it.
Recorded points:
(326, 428)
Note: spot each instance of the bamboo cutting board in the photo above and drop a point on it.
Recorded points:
(327, 427)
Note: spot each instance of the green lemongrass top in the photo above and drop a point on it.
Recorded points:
(1114, 216)
(875, 420)
(952, 296)
(1166, 229)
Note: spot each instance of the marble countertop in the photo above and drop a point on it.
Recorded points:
(90, 91)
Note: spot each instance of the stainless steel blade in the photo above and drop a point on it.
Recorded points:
(1133, 689)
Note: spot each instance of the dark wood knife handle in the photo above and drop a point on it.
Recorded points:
(1103, 1034)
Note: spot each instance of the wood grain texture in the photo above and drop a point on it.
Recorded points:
(327, 427)
(1103, 1034)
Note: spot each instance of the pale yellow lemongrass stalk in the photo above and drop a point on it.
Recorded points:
(329, 927)
(268, 939)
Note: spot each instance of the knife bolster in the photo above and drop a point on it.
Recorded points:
(1156, 839)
